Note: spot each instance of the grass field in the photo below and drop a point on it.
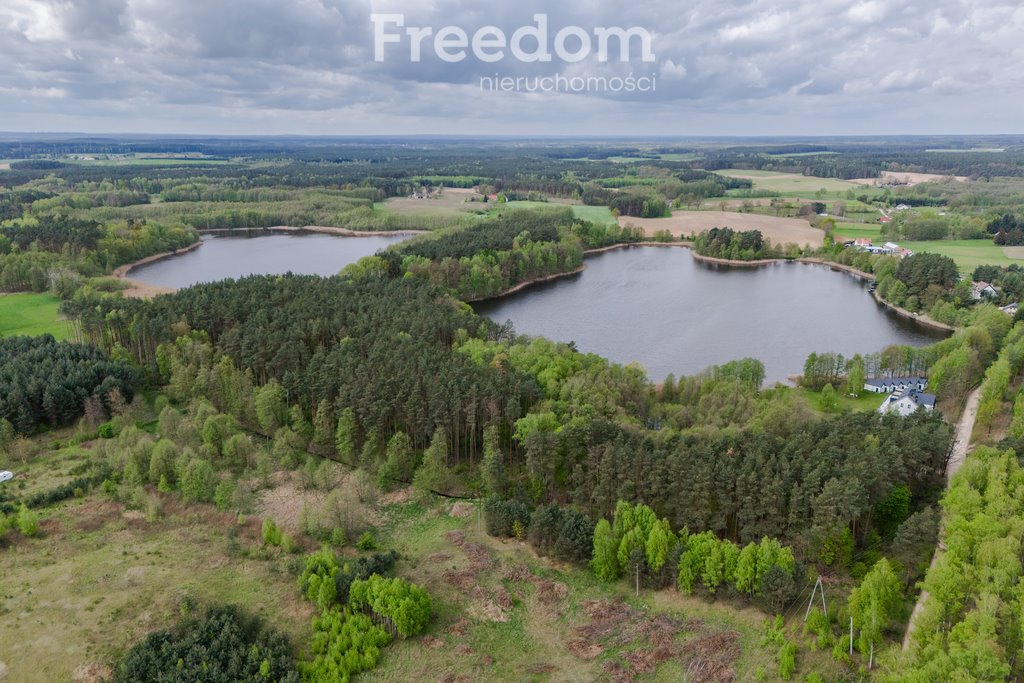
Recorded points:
(864, 403)
(795, 185)
(101, 576)
(503, 613)
(451, 202)
(31, 314)
(856, 230)
(969, 254)
(595, 214)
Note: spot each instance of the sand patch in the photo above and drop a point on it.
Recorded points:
(779, 230)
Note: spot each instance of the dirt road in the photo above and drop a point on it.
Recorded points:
(961, 446)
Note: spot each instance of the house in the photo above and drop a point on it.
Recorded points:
(903, 207)
(862, 242)
(981, 290)
(888, 385)
(1009, 309)
(884, 219)
(907, 402)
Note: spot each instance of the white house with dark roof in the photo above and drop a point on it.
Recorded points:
(981, 290)
(907, 402)
(888, 385)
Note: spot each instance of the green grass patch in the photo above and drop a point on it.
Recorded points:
(594, 214)
(864, 403)
(31, 315)
(968, 254)
(857, 230)
(791, 184)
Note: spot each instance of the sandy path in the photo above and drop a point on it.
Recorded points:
(779, 230)
(961, 447)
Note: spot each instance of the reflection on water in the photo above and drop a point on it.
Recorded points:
(261, 252)
(673, 314)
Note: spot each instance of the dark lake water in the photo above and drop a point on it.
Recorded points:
(261, 252)
(661, 307)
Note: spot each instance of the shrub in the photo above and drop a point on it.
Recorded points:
(366, 541)
(405, 605)
(500, 515)
(224, 645)
(271, 534)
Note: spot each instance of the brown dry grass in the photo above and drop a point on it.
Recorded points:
(779, 230)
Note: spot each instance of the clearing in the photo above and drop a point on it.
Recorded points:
(32, 314)
(102, 577)
(780, 231)
(452, 201)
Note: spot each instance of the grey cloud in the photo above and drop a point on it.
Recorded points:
(263, 65)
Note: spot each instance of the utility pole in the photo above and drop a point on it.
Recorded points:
(851, 636)
(638, 579)
(817, 585)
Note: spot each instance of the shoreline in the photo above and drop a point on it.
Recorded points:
(322, 229)
(527, 283)
(138, 289)
(921, 318)
(142, 290)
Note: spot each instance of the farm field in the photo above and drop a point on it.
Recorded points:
(969, 254)
(31, 314)
(451, 202)
(791, 183)
(778, 230)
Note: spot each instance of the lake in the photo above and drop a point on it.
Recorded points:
(261, 252)
(673, 314)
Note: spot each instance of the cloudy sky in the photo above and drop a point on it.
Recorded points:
(720, 67)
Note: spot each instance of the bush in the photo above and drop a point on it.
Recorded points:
(27, 521)
(225, 645)
(366, 542)
(501, 515)
(271, 534)
(405, 605)
(345, 643)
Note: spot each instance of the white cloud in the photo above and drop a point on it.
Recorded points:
(671, 70)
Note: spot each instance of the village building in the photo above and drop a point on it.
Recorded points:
(907, 402)
(982, 290)
(888, 385)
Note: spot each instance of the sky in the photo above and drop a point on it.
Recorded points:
(717, 67)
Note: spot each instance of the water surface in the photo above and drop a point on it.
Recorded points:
(673, 314)
(261, 252)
